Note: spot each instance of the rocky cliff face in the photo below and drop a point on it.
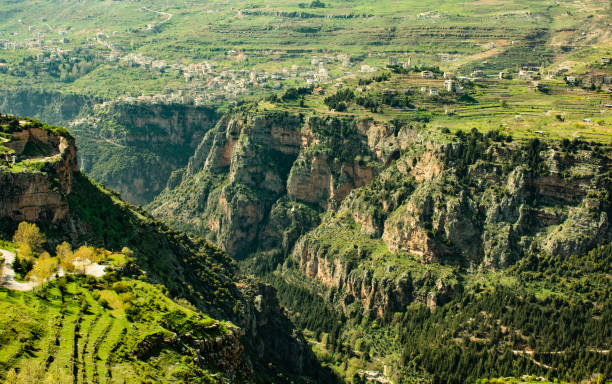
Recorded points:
(365, 284)
(252, 162)
(133, 148)
(51, 107)
(270, 336)
(373, 254)
(35, 188)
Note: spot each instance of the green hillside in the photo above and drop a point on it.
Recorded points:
(115, 330)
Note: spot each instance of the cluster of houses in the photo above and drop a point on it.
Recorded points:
(40, 43)
(208, 80)
(38, 40)
(532, 74)
(452, 84)
(214, 81)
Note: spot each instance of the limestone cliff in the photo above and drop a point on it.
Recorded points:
(251, 162)
(395, 196)
(34, 188)
(382, 214)
(436, 206)
(49, 106)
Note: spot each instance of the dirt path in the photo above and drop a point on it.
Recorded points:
(530, 355)
(8, 274)
(168, 15)
(44, 159)
(478, 57)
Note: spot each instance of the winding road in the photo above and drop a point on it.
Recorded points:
(8, 274)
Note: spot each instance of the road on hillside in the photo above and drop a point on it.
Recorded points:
(7, 279)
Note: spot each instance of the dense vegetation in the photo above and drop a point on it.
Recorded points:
(9, 125)
(454, 226)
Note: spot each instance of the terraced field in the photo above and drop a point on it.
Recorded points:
(490, 35)
(525, 113)
(75, 336)
(514, 107)
(75, 332)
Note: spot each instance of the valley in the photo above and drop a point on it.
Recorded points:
(306, 192)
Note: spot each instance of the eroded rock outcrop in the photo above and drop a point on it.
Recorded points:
(378, 288)
(431, 204)
(259, 180)
(34, 189)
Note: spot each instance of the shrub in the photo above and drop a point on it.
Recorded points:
(127, 252)
(84, 255)
(64, 253)
(22, 266)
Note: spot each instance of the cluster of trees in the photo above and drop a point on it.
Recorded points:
(475, 335)
(30, 242)
(340, 99)
(372, 101)
(66, 69)
(474, 147)
(416, 68)
(341, 138)
(384, 76)
(573, 145)
(34, 262)
(313, 4)
(315, 313)
(10, 124)
(293, 94)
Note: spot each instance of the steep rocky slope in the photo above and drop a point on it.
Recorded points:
(472, 199)
(131, 146)
(45, 105)
(33, 196)
(245, 170)
(478, 207)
